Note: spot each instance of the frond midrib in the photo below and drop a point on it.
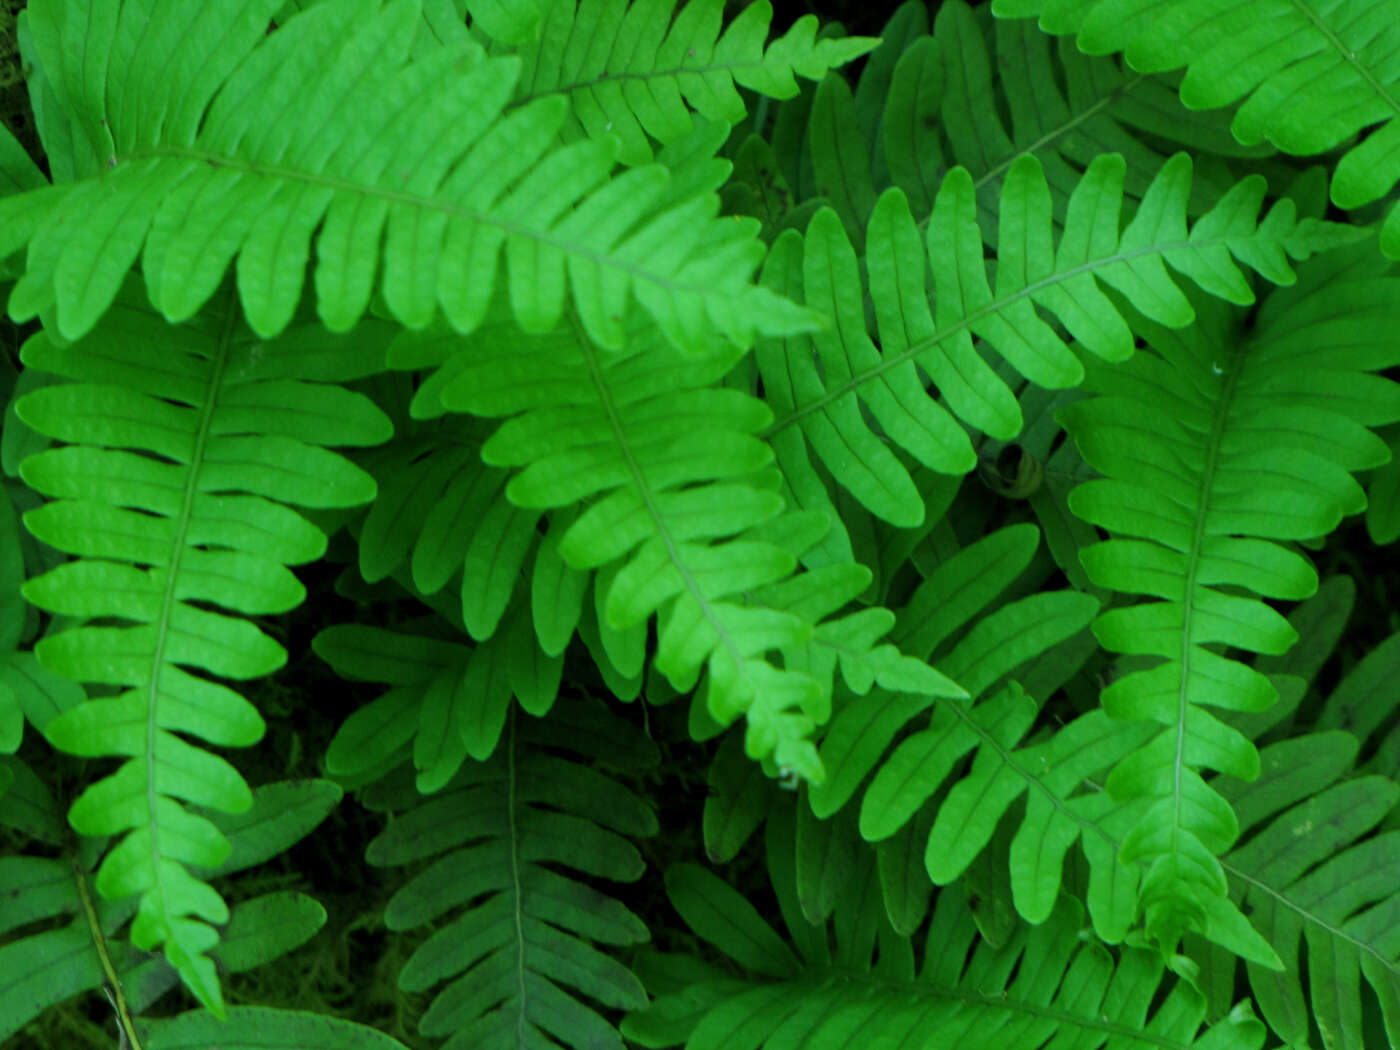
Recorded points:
(168, 599)
(1206, 485)
(1067, 128)
(634, 470)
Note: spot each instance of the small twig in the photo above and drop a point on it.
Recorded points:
(127, 1039)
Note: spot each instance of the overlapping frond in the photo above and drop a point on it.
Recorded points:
(443, 511)
(1312, 872)
(1217, 448)
(632, 71)
(922, 89)
(1307, 77)
(407, 168)
(1047, 986)
(185, 449)
(678, 518)
(509, 839)
(1101, 109)
(447, 701)
(824, 383)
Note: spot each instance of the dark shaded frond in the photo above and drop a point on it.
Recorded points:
(510, 838)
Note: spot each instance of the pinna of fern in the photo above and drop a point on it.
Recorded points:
(1309, 77)
(821, 269)
(386, 139)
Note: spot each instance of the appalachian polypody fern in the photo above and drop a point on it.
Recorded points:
(609, 346)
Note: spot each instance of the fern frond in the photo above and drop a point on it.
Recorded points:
(1309, 78)
(185, 448)
(1311, 872)
(629, 69)
(664, 458)
(1215, 447)
(962, 992)
(822, 271)
(193, 174)
(519, 951)
(919, 83)
(259, 1027)
(1102, 109)
(679, 519)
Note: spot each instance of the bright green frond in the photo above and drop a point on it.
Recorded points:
(1216, 445)
(634, 71)
(829, 382)
(184, 448)
(662, 459)
(898, 783)
(508, 839)
(391, 152)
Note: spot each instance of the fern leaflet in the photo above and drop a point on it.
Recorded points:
(629, 69)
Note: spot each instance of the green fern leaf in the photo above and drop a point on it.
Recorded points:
(192, 175)
(662, 457)
(527, 931)
(1101, 109)
(1214, 448)
(1313, 874)
(629, 70)
(1061, 985)
(1030, 272)
(174, 490)
(1313, 78)
(906, 779)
